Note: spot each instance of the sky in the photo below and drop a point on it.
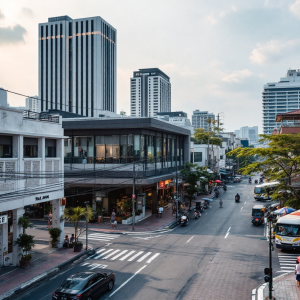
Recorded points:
(218, 53)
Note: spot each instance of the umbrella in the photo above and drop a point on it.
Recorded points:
(207, 199)
(284, 210)
(218, 181)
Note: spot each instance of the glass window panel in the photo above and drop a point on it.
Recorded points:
(5, 151)
(158, 147)
(198, 157)
(30, 151)
(142, 145)
(83, 149)
(136, 145)
(123, 149)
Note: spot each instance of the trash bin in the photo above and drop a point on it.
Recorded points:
(99, 219)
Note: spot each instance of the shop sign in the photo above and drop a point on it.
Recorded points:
(41, 197)
(3, 219)
(168, 181)
(162, 185)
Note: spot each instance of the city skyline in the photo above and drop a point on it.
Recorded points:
(225, 65)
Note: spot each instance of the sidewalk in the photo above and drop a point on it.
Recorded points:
(284, 288)
(44, 262)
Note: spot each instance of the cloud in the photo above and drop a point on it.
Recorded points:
(295, 8)
(1, 15)
(274, 50)
(12, 35)
(211, 19)
(27, 12)
(237, 76)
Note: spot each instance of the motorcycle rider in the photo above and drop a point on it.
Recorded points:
(250, 180)
(237, 197)
(224, 188)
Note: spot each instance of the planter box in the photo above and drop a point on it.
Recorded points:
(127, 221)
(118, 219)
(77, 248)
(24, 264)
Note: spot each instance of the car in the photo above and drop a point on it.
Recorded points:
(237, 179)
(240, 177)
(85, 286)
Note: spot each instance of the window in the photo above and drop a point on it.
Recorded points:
(83, 149)
(5, 146)
(198, 157)
(50, 148)
(30, 148)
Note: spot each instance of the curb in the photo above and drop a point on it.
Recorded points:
(23, 286)
(260, 289)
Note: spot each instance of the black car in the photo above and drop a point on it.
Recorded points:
(85, 286)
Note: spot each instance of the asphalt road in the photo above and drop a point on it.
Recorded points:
(219, 256)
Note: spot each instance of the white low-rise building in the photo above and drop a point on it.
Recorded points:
(31, 172)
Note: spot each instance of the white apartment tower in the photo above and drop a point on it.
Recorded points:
(202, 119)
(77, 65)
(280, 97)
(33, 104)
(150, 93)
(3, 98)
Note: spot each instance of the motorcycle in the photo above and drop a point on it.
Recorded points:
(250, 181)
(197, 214)
(256, 181)
(184, 220)
(256, 221)
(205, 205)
(225, 188)
(217, 193)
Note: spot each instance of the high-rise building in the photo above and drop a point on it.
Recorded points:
(150, 93)
(3, 97)
(202, 119)
(77, 65)
(280, 97)
(33, 104)
(250, 133)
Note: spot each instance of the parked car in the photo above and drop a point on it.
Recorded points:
(85, 286)
(236, 179)
(239, 176)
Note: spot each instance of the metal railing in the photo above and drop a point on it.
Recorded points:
(32, 115)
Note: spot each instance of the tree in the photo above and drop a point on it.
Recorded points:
(202, 136)
(25, 242)
(191, 173)
(75, 215)
(123, 113)
(280, 161)
(24, 222)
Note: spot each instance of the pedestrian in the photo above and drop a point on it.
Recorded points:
(49, 219)
(160, 211)
(66, 242)
(113, 218)
(297, 272)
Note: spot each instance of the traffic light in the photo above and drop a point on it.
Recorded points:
(267, 276)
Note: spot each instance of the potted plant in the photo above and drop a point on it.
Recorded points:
(25, 223)
(55, 236)
(75, 215)
(25, 242)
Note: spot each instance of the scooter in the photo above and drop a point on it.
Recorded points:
(225, 188)
(197, 214)
(256, 181)
(217, 193)
(205, 205)
(184, 220)
(237, 199)
(250, 181)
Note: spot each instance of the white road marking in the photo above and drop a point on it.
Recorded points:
(242, 208)
(119, 254)
(144, 256)
(227, 233)
(127, 255)
(128, 280)
(111, 254)
(98, 256)
(152, 258)
(245, 202)
(190, 239)
(135, 256)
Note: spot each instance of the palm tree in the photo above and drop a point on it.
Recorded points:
(24, 222)
(76, 214)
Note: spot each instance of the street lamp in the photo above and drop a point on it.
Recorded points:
(86, 228)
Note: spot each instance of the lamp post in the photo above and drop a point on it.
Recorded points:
(86, 228)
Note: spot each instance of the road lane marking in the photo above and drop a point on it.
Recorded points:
(242, 208)
(144, 256)
(127, 255)
(111, 254)
(245, 202)
(128, 280)
(135, 256)
(227, 233)
(104, 253)
(190, 239)
(152, 258)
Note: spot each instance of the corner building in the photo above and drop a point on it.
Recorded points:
(77, 65)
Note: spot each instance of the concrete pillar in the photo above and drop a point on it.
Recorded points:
(18, 153)
(17, 230)
(57, 221)
(4, 242)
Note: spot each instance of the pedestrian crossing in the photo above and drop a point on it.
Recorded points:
(125, 255)
(287, 262)
(102, 237)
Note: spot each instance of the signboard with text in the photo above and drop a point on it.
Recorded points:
(3, 219)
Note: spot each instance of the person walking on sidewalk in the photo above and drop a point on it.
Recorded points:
(49, 219)
(160, 211)
(113, 218)
(297, 272)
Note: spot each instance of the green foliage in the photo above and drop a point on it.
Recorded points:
(55, 234)
(202, 136)
(191, 173)
(76, 214)
(280, 161)
(24, 222)
(25, 242)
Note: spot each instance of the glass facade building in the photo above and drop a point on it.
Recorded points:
(280, 97)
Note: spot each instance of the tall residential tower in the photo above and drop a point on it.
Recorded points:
(77, 65)
(202, 119)
(150, 93)
(280, 97)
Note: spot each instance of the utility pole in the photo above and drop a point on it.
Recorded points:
(133, 195)
(218, 124)
(270, 257)
(86, 226)
(176, 200)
